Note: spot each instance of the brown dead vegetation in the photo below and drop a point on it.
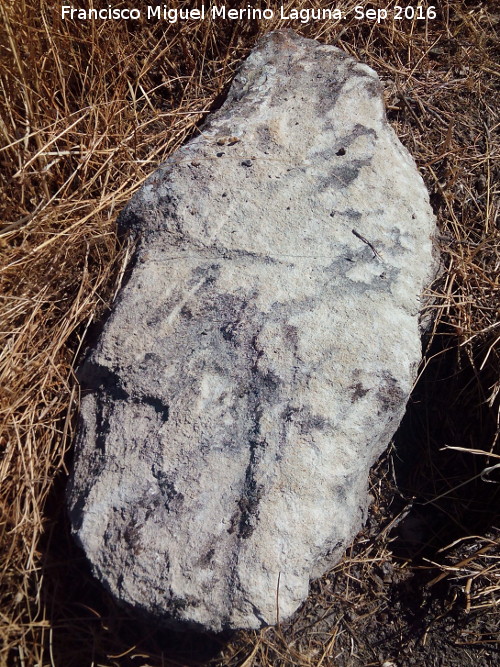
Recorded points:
(88, 110)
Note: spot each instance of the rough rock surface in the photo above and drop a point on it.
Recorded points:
(260, 357)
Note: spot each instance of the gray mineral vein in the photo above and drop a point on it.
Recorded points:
(260, 357)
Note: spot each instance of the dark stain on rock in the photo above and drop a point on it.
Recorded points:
(263, 388)
(311, 422)
(357, 391)
(292, 335)
(352, 214)
(341, 146)
(161, 408)
(207, 558)
(373, 87)
(186, 312)
(390, 395)
(102, 426)
(106, 384)
(288, 413)
(132, 536)
(96, 377)
(346, 174)
(270, 381)
(248, 507)
(252, 492)
(228, 332)
(170, 496)
(258, 353)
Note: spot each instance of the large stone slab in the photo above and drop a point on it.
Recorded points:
(260, 357)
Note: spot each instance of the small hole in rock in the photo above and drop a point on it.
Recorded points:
(341, 151)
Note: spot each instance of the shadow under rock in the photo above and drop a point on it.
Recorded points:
(447, 409)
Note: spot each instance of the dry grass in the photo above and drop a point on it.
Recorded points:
(88, 110)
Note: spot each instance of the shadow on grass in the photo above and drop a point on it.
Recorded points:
(448, 408)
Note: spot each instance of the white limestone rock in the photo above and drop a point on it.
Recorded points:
(260, 357)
